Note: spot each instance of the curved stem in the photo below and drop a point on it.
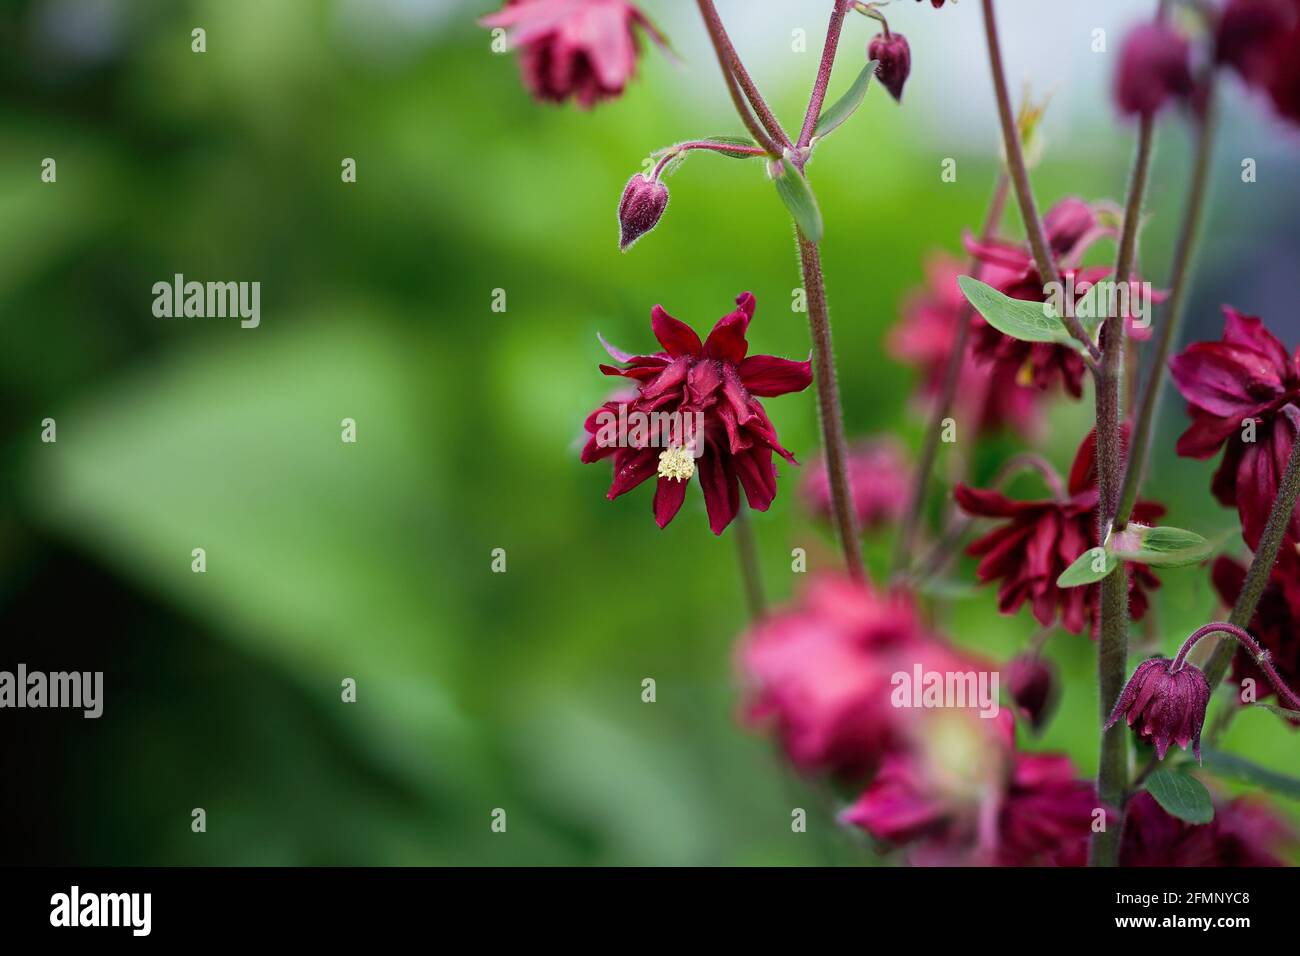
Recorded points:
(766, 130)
(1020, 179)
(1261, 567)
(1258, 653)
(828, 404)
(947, 393)
(818, 97)
(1166, 335)
(674, 151)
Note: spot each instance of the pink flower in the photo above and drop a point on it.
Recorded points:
(640, 208)
(701, 403)
(820, 674)
(1168, 705)
(988, 396)
(1246, 377)
(1154, 67)
(879, 483)
(1276, 624)
(585, 49)
(1244, 832)
(1040, 539)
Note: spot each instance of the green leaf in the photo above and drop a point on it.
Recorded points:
(1161, 547)
(1239, 768)
(733, 141)
(1182, 795)
(1026, 321)
(834, 115)
(798, 197)
(1084, 570)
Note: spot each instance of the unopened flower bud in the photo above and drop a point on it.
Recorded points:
(1154, 65)
(1031, 681)
(895, 61)
(643, 203)
(1169, 703)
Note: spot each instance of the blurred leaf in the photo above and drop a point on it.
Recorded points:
(1161, 547)
(1239, 768)
(1182, 795)
(834, 115)
(1084, 571)
(798, 197)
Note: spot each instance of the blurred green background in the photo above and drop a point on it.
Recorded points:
(372, 561)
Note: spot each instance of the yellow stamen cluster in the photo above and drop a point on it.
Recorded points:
(676, 463)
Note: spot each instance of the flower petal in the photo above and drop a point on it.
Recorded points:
(674, 335)
(669, 495)
(767, 375)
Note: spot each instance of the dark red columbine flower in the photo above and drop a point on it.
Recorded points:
(1260, 39)
(640, 208)
(1276, 624)
(698, 409)
(1247, 376)
(1071, 227)
(1031, 682)
(1042, 538)
(1169, 703)
(895, 61)
(584, 49)
(1244, 832)
(1154, 67)
(988, 396)
(879, 483)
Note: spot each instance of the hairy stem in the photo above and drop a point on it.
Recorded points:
(828, 404)
(1112, 650)
(1184, 253)
(750, 572)
(1243, 611)
(1241, 636)
(1020, 178)
(766, 130)
(947, 394)
(818, 97)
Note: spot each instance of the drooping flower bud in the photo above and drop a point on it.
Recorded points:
(895, 61)
(1154, 65)
(1170, 703)
(1031, 681)
(643, 203)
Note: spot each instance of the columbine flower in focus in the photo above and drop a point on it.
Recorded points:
(1246, 377)
(1244, 832)
(1154, 68)
(584, 49)
(1041, 538)
(1168, 705)
(717, 381)
(988, 396)
(1276, 624)
(879, 484)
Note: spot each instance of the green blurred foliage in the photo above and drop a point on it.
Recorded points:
(327, 560)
